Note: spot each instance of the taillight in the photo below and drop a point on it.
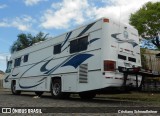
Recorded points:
(109, 65)
(106, 20)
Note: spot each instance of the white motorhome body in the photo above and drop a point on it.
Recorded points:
(84, 59)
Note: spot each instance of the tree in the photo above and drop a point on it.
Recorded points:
(147, 21)
(26, 40)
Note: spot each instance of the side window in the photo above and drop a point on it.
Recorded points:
(83, 43)
(9, 66)
(57, 49)
(17, 62)
(79, 44)
(74, 46)
(25, 59)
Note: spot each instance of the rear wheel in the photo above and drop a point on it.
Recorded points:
(39, 93)
(56, 90)
(87, 95)
(13, 89)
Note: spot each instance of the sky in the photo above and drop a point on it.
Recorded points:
(56, 17)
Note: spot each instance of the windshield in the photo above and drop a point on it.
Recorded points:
(9, 66)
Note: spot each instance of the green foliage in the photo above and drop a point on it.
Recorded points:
(26, 40)
(147, 21)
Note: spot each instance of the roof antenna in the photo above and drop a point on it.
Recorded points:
(119, 16)
(119, 28)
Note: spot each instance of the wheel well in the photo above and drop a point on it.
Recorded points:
(54, 78)
(13, 82)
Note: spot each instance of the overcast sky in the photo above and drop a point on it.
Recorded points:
(56, 17)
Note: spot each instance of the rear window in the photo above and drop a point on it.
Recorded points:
(131, 59)
(121, 57)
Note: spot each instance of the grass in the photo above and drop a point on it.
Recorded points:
(147, 97)
(136, 96)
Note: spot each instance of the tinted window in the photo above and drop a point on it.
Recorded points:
(79, 44)
(17, 62)
(57, 49)
(74, 46)
(25, 58)
(9, 66)
(83, 43)
(131, 59)
(121, 57)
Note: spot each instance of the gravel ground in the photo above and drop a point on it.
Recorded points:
(29, 99)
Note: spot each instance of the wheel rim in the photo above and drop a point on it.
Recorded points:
(56, 88)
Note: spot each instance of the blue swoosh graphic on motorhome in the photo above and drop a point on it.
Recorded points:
(130, 41)
(40, 82)
(43, 68)
(115, 36)
(56, 67)
(133, 43)
(33, 66)
(42, 79)
(27, 71)
(93, 40)
(74, 61)
(14, 75)
(77, 60)
(27, 87)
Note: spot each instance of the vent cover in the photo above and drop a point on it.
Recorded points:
(83, 73)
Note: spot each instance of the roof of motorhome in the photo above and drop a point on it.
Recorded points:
(69, 31)
(56, 36)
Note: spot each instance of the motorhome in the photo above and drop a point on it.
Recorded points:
(85, 60)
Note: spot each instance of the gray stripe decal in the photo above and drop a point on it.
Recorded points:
(130, 41)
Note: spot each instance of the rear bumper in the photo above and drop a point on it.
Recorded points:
(113, 79)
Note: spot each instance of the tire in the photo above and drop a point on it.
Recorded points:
(39, 93)
(13, 89)
(87, 95)
(56, 91)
